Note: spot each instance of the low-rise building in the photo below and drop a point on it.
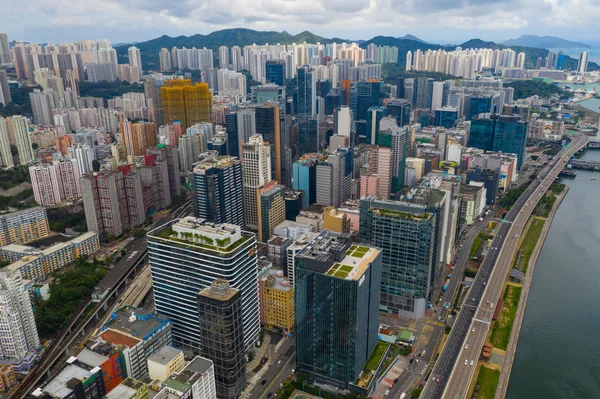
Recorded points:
(165, 362)
(76, 380)
(298, 245)
(293, 230)
(129, 389)
(196, 380)
(7, 377)
(335, 220)
(276, 296)
(24, 226)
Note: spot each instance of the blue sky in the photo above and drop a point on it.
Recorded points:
(438, 21)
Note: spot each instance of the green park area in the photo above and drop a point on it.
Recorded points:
(503, 326)
(376, 355)
(487, 381)
(528, 244)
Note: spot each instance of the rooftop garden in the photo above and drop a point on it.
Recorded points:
(400, 214)
(199, 241)
(372, 364)
(340, 271)
(357, 251)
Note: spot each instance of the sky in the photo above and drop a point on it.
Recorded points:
(436, 21)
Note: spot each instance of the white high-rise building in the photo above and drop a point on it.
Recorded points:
(46, 184)
(83, 154)
(135, 60)
(223, 57)
(5, 154)
(186, 256)
(21, 130)
(165, 60)
(583, 62)
(437, 95)
(19, 339)
(5, 56)
(257, 172)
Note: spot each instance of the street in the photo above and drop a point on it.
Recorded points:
(277, 371)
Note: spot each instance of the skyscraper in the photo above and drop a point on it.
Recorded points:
(268, 126)
(271, 209)
(186, 103)
(333, 178)
(582, 65)
(407, 233)
(20, 338)
(105, 211)
(306, 82)
(337, 287)
(21, 131)
(222, 337)
(275, 72)
(223, 57)
(5, 55)
(257, 172)
(5, 97)
(186, 255)
(5, 153)
(493, 132)
(218, 192)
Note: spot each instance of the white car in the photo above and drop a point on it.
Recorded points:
(466, 361)
(473, 330)
(472, 363)
(492, 305)
(467, 346)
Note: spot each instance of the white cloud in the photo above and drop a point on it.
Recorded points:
(443, 20)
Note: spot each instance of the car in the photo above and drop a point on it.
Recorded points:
(492, 305)
(395, 381)
(269, 394)
(293, 371)
(467, 346)
(279, 362)
(437, 380)
(473, 330)
(487, 302)
(466, 361)
(472, 363)
(263, 382)
(411, 361)
(387, 391)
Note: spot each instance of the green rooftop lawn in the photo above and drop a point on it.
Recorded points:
(346, 268)
(376, 356)
(341, 274)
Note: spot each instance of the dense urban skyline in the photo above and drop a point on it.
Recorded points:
(438, 21)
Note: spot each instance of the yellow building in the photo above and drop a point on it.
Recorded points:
(276, 296)
(24, 226)
(7, 377)
(335, 220)
(165, 362)
(186, 103)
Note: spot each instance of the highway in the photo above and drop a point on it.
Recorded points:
(451, 377)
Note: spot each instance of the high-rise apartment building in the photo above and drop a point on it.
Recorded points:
(20, 339)
(56, 182)
(582, 65)
(6, 158)
(186, 103)
(257, 172)
(218, 192)
(186, 255)
(337, 286)
(333, 178)
(24, 226)
(135, 60)
(220, 310)
(5, 97)
(137, 137)
(20, 128)
(406, 234)
(5, 55)
(105, 210)
(164, 60)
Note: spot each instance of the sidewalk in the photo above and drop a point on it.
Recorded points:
(516, 330)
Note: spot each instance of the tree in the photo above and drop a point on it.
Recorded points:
(34, 146)
(140, 233)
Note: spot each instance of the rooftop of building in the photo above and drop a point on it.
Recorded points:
(121, 391)
(83, 237)
(58, 385)
(278, 241)
(199, 365)
(290, 224)
(219, 290)
(274, 278)
(119, 339)
(291, 193)
(21, 249)
(21, 212)
(90, 358)
(349, 261)
(138, 323)
(315, 208)
(165, 355)
(201, 235)
(303, 240)
(132, 383)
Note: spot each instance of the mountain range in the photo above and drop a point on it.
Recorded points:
(244, 37)
(544, 42)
